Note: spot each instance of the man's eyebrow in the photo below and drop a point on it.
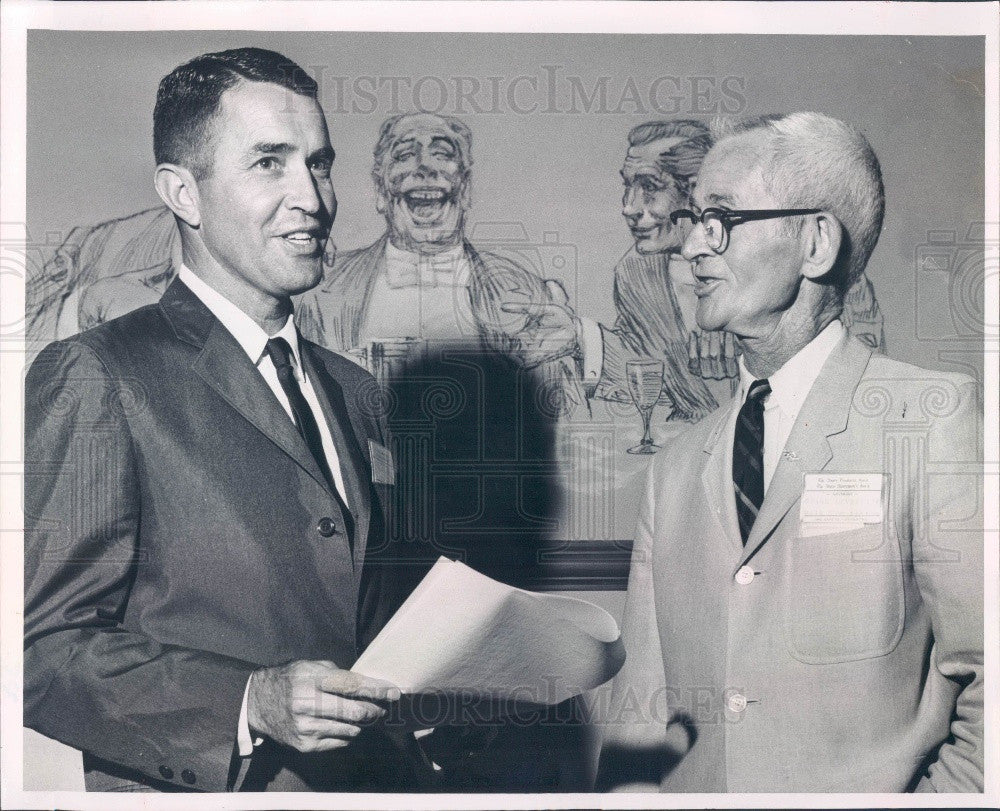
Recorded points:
(643, 171)
(324, 153)
(721, 199)
(271, 148)
(443, 139)
(402, 141)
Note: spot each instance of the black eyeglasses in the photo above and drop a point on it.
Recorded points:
(719, 221)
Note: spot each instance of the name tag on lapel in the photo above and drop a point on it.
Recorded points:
(383, 470)
(833, 502)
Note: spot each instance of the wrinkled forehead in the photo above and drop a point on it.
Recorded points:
(731, 174)
(644, 159)
(425, 127)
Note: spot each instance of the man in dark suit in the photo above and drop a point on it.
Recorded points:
(203, 484)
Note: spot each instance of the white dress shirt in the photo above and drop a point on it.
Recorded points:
(253, 340)
(420, 296)
(789, 387)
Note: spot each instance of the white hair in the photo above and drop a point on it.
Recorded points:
(815, 161)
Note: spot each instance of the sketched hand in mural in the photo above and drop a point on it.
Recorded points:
(550, 330)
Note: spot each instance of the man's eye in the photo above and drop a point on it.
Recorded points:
(267, 164)
(321, 167)
(402, 156)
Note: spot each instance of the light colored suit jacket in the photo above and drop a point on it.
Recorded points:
(179, 534)
(850, 661)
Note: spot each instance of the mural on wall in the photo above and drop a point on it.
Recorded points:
(423, 290)
(424, 285)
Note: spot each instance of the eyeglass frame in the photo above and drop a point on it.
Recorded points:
(729, 218)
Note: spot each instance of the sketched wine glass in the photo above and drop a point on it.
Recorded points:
(645, 381)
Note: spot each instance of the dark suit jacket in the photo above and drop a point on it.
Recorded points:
(179, 535)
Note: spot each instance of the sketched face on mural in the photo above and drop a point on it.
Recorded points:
(422, 180)
(650, 195)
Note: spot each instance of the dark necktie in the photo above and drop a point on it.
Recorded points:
(748, 457)
(281, 356)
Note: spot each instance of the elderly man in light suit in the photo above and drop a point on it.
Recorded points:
(805, 605)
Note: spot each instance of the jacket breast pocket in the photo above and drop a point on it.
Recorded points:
(845, 598)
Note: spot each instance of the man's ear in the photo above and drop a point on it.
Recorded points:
(465, 191)
(381, 198)
(822, 234)
(179, 190)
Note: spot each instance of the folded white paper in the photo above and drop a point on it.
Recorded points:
(461, 632)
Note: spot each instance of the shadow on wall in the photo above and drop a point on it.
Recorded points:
(477, 481)
(475, 456)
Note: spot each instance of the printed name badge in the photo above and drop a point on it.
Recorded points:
(842, 498)
(383, 471)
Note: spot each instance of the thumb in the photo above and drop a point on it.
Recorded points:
(556, 291)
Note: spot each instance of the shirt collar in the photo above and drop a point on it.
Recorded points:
(406, 268)
(244, 329)
(792, 382)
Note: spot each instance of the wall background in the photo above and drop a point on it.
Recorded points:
(548, 146)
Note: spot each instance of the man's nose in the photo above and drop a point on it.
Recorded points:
(694, 244)
(302, 192)
(630, 207)
(424, 169)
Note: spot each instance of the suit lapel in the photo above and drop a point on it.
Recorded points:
(225, 367)
(717, 478)
(824, 414)
(348, 432)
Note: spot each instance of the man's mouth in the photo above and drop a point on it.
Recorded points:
(705, 285)
(644, 232)
(305, 241)
(426, 204)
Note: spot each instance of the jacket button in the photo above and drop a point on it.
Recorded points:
(188, 777)
(737, 702)
(326, 527)
(166, 773)
(745, 576)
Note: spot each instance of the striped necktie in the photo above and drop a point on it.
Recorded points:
(748, 457)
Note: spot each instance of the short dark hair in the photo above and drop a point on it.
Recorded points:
(683, 160)
(188, 99)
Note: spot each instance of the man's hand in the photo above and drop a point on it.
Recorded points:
(550, 331)
(314, 706)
